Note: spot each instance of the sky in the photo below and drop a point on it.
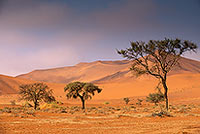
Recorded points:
(41, 34)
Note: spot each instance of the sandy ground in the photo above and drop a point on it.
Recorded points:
(133, 121)
(98, 125)
(100, 118)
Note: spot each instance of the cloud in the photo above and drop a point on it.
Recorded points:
(117, 16)
(27, 14)
(38, 34)
(16, 63)
(1, 5)
(124, 16)
(21, 52)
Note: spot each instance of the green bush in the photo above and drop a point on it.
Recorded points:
(106, 103)
(155, 98)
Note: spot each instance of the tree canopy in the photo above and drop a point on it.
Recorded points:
(36, 92)
(82, 90)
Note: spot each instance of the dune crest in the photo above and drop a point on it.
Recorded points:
(100, 71)
(114, 77)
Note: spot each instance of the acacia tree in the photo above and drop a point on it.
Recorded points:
(36, 92)
(82, 90)
(157, 57)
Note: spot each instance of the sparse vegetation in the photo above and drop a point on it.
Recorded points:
(106, 103)
(6, 109)
(49, 105)
(126, 100)
(30, 112)
(27, 105)
(36, 92)
(157, 58)
(13, 102)
(139, 101)
(155, 98)
(162, 114)
(82, 90)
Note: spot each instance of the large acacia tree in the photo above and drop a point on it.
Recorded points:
(36, 92)
(82, 90)
(157, 58)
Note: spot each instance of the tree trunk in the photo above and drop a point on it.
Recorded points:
(35, 105)
(165, 94)
(83, 103)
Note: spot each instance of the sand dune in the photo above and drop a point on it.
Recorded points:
(81, 72)
(113, 77)
(100, 71)
(186, 84)
(182, 87)
(10, 85)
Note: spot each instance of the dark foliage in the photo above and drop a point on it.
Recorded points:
(127, 100)
(82, 90)
(155, 98)
(36, 92)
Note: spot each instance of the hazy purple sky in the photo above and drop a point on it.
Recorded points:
(39, 34)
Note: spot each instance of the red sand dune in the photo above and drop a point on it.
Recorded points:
(98, 70)
(115, 79)
(9, 85)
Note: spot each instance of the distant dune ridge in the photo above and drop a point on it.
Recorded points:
(100, 71)
(9, 85)
(87, 72)
(114, 77)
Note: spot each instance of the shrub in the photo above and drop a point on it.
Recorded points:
(30, 112)
(6, 110)
(127, 100)
(155, 98)
(12, 102)
(139, 102)
(59, 102)
(162, 114)
(49, 105)
(26, 104)
(106, 103)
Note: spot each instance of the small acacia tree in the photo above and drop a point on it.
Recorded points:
(36, 92)
(82, 90)
(157, 58)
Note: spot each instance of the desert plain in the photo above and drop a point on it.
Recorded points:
(106, 112)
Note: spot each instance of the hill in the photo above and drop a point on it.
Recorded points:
(113, 77)
(10, 85)
(100, 71)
